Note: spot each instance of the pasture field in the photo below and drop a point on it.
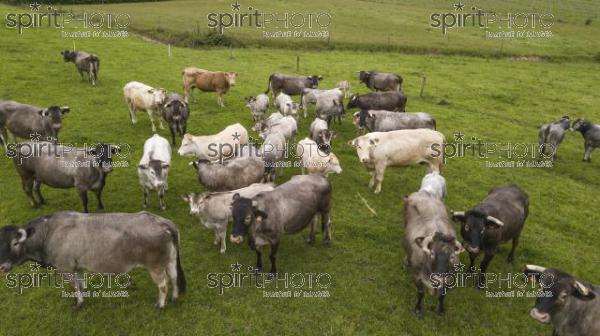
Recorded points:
(495, 101)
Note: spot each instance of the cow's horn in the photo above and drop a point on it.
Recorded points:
(535, 268)
(23, 236)
(495, 220)
(457, 213)
(581, 288)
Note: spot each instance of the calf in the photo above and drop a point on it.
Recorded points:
(321, 134)
(379, 150)
(214, 208)
(231, 174)
(432, 251)
(380, 81)
(258, 106)
(500, 217)
(434, 184)
(385, 121)
(330, 110)
(551, 135)
(153, 168)
(108, 243)
(345, 87)
(591, 136)
(140, 96)
(314, 160)
(286, 105)
(573, 309)
(176, 112)
(291, 85)
(390, 101)
(26, 121)
(222, 145)
(84, 62)
(311, 96)
(287, 209)
(208, 81)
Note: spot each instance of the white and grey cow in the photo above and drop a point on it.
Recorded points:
(434, 184)
(311, 96)
(258, 106)
(315, 161)
(286, 105)
(153, 168)
(223, 145)
(385, 121)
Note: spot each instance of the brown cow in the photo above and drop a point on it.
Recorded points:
(207, 81)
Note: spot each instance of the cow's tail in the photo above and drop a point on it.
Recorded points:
(269, 84)
(94, 67)
(181, 284)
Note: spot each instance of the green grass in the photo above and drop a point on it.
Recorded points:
(497, 101)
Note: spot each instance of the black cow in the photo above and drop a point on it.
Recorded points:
(175, 112)
(390, 101)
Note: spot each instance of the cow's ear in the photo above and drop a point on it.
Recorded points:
(582, 291)
(371, 115)
(458, 216)
(64, 109)
(151, 91)
(374, 141)
(419, 241)
(235, 196)
(143, 166)
(165, 166)
(19, 238)
(43, 113)
(186, 197)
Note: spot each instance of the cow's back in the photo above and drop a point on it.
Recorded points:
(407, 147)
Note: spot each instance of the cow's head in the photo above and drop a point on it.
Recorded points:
(363, 76)
(353, 102)
(338, 108)
(245, 218)
(473, 227)
(264, 130)
(324, 138)
(188, 146)
(103, 156)
(580, 124)
(442, 252)
(178, 108)
(292, 109)
(314, 81)
(156, 171)
(196, 201)
(158, 96)
(565, 122)
(564, 290)
(364, 147)
(231, 77)
(52, 118)
(68, 56)
(333, 165)
(12, 246)
(250, 101)
(366, 119)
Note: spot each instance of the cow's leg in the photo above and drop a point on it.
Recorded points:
(472, 257)
(146, 192)
(326, 225)
(159, 277)
(258, 259)
(172, 130)
(36, 188)
(132, 111)
(379, 173)
(420, 295)
(77, 284)
(587, 156)
(313, 230)
(161, 199)
(220, 99)
(484, 264)
(160, 120)
(511, 255)
(372, 180)
(27, 184)
(151, 115)
(84, 199)
(81, 74)
(222, 238)
(99, 204)
(172, 274)
(186, 92)
(4, 138)
(273, 258)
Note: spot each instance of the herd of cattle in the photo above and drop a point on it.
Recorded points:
(239, 177)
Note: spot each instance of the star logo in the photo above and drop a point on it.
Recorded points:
(236, 267)
(35, 6)
(459, 136)
(459, 6)
(236, 136)
(235, 6)
(459, 267)
(35, 136)
(34, 267)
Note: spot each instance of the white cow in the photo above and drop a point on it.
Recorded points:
(311, 96)
(316, 161)
(434, 184)
(288, 126)
(140, 96)
(286, 105)
(258, 106)
(222, 145)
(153, 168)
(379, 150)
(345, 87)
(214, 208)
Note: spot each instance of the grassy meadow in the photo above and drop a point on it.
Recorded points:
(494, 100)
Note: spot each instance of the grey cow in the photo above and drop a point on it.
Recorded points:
(380, 81)
(385, 121)
(500, 217)
(330, 109)
(59, 166)
(288, 209)
(26, 121)
(214, 208)
(175, 112)
(111, 243)
(390, 101)
(291, 85)
(574, 306)
(85, 62)
(432, 250)
(591, 136)
(551, 136)
(232, 174)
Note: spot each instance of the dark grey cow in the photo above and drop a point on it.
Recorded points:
(59, 166)
(390, 101)
(111, 243)
(591, 136)
(551, 136)
(26, 121)
(574, 306)
(432, 251)
(85, 62)
(386, 121)
(380, 81)
(288, 209)
(500, 217)
(175, 112)
(232, 174)
(291, 85)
